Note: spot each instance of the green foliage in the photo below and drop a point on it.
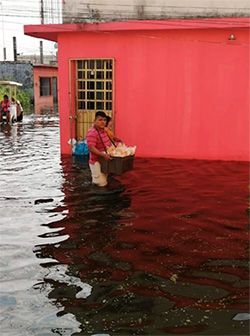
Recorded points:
(3, 91)
(25, 98)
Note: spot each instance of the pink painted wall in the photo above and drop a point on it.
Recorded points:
(43, 102)
(178, 93)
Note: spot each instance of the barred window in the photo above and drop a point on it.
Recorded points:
(95, 85)
(45, 86)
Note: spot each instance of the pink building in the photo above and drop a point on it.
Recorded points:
(176, 88)
(45, 87)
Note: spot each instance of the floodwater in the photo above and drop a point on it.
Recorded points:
(166, 256)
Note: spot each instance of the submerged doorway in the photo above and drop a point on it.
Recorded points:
(94, 91)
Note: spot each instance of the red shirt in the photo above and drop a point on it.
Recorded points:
(5, 106)
(99, 139)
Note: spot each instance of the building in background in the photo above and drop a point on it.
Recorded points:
(39, 81)
(36, 59)
(175, 86)
(45, 88)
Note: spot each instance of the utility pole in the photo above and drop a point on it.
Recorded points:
(14, 48)
(42, 22)
(41, 52)
(42, 11)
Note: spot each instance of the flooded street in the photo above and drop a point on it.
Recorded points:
(168, 255)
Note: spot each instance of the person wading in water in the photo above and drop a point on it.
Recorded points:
(5, 108)
(98, 141)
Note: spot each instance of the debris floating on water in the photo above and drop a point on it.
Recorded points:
(242, 317)
(45, 200)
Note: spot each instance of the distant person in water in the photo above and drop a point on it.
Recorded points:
(5, 109)
(109, 130)
(98, 142)
(13, 110)
(19, 111)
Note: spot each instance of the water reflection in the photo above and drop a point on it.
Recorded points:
(92, 223)
(6, 129)
(162, 257)
(168, 255)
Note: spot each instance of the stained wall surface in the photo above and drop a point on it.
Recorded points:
(110, 10)
(178, 93)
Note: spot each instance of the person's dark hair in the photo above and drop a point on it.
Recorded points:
(5, 96)
(100, 114)
(108, 118)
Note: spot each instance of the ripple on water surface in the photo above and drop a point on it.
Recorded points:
(168, 255)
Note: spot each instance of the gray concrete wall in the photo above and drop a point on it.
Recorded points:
(109, 10)
(21, 72)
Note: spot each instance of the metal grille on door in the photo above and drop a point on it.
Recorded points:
(94, 91)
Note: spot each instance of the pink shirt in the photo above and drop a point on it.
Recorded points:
(93, 139)
(5, 106)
